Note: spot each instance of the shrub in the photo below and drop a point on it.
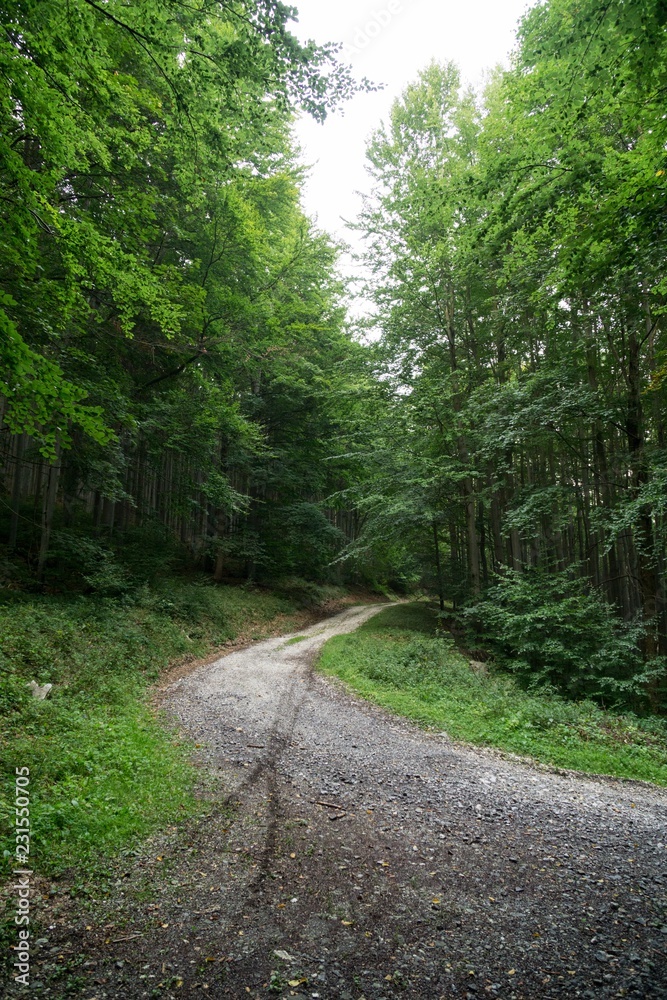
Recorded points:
(553, 631)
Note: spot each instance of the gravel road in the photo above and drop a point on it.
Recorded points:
(351, 855)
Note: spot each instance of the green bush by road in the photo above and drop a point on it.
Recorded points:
(397, 660)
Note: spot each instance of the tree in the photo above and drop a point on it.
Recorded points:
(159, 281)
(519, 293)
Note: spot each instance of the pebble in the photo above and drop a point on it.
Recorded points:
(382, 769)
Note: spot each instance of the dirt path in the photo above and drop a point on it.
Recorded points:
(351, 855)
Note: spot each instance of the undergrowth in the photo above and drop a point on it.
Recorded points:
(103, 769)
(396, 660)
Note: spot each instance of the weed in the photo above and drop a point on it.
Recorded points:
(395, 660)
(276, 982)
(104, 771)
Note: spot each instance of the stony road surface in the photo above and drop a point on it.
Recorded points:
(350, 855)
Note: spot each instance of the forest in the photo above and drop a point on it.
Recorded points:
(183, 391)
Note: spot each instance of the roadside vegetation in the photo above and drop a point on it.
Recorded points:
(401, 659)
(184, 402)
(104, 769)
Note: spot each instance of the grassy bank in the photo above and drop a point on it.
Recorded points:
(396, 661)
(103, 769)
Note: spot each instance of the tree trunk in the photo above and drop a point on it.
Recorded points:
(436, 546)
(648, 582)
(472, 540)
(48, 507)
(16, 492)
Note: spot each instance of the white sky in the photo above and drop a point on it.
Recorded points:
(388, 41)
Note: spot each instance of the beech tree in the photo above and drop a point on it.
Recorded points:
(162, 295)
(515, 245)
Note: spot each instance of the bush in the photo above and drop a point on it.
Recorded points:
(552, 631)
(394, 660)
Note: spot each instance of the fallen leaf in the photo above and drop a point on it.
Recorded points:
(284, 955)
(347, 923)
(511, 972)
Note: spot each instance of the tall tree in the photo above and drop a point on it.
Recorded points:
(520, 298)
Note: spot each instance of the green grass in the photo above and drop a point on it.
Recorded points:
(104, 771)
(396, 660)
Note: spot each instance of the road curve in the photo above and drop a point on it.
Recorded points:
(389, 862)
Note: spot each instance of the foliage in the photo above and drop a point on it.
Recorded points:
(103, 769)
(514, 245)
(171, 335)
(554, 632)
(396, 660)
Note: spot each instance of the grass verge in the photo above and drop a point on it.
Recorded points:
(396, 660)
(104, 771)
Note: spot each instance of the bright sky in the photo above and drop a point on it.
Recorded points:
(388, 41)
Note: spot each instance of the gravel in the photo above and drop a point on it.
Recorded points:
(349, 854)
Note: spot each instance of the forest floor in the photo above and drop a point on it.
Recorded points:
(346, 853)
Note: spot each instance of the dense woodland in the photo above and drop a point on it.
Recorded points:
(176, 358)
(516, 243)
(174, 345)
